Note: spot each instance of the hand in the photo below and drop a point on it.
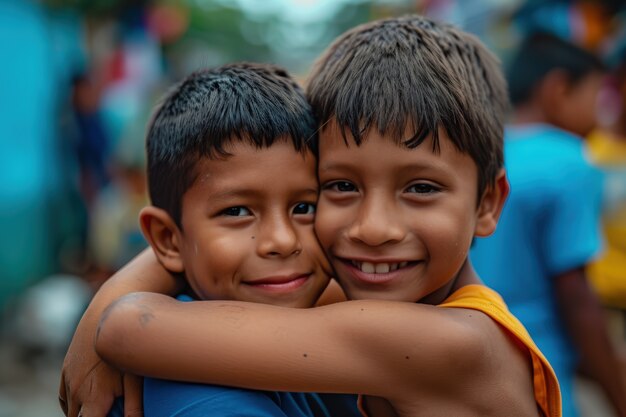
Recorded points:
(89, 386)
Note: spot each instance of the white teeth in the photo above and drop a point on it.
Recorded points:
(368, 268)
(381, 268)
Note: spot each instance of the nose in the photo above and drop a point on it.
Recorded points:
(278, 237)
(377, 223)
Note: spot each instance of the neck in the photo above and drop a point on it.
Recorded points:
(465, 276)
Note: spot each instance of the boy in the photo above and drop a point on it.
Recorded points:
(550, 228)
(410, 169)
(219, 136)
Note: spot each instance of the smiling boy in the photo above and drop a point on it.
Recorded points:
(219, 137)
(410, 168)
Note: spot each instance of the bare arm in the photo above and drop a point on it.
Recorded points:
(86, 381)
(369, 347)
(585, 322)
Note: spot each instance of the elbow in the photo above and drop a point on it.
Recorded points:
(118, 330)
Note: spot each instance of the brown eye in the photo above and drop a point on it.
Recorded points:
(423, 188)
(304, 208)
(236, 211)
(342, 186)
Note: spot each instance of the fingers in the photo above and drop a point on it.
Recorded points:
(100, 408)
(63, 404)
(63, 395)
(133, 396)
(73, 409)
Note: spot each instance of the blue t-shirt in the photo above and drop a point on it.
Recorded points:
(165, 398)
(179, 399)
(550, 224)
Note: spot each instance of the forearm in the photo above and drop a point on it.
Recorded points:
(206, 342)
(584, 319)
(334, 348)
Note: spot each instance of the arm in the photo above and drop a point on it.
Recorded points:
(334, 348)
(584, 319)
(86, 381)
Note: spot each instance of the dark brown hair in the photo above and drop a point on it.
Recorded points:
(412, 71)
(253, 103)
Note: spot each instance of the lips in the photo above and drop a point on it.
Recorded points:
(280, 283)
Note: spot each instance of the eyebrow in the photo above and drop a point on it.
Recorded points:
(436, 166)
(248, 193)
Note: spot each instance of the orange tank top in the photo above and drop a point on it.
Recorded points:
(489, 302)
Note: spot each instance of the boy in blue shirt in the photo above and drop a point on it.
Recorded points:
(214, 143)
(549, 229)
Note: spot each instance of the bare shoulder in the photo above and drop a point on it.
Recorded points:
(494, 360)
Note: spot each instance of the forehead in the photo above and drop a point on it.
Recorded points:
(248, 166)
(381, 152)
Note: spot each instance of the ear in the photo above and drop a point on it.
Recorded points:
(491, 205)
(163, 234)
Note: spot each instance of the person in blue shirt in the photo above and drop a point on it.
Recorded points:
(549, 229)
(214, 144)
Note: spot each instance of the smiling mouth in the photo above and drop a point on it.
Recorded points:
(379, 267)
(280, 284)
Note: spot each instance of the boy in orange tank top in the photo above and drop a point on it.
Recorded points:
(411, 170)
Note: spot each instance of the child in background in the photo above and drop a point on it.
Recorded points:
(410, 167)
(550, 228)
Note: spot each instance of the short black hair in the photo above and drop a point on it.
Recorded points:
(413, 71)
(254, 103)
(539, 54)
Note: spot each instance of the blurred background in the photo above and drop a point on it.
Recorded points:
(79, 79)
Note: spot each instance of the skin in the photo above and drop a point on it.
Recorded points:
(420, 208)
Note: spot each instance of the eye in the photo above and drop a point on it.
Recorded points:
(304, 208)
(423, 188)
(237, 211)
(341, 186)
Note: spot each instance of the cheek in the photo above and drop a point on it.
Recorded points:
(228, 250)
(450, 234)
(324, 224)
(311, 245)
(218, 257)
(328, 223)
